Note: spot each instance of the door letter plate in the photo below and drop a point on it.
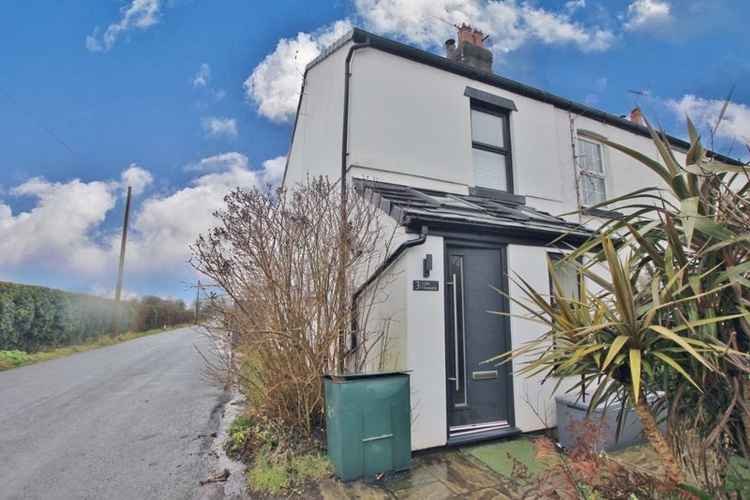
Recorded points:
(484, 375)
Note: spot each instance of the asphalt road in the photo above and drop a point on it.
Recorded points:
(129, 421)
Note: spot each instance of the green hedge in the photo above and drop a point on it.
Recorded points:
(33, 317)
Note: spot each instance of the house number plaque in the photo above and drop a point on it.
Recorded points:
(426, 285)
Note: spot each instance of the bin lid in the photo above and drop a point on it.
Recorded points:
(353, 376)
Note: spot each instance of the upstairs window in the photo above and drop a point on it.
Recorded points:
(490, 141)
(592, 173)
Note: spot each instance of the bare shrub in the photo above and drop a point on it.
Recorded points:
(284, 290)
(587, 472)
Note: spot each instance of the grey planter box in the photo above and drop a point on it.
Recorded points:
(571, 411)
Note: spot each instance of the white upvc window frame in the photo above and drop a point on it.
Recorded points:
(585, 172)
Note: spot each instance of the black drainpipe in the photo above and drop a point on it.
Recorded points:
(345, 122)
(343, 251)
(390, 260)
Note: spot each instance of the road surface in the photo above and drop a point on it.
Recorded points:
(129, 421)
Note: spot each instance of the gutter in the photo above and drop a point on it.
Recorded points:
(403, 247)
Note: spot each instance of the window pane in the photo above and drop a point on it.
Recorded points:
(596, 158)
(487, 128)
(566, 275)
(584, 155)
(590, 156)
(489, 170)
(592, 189)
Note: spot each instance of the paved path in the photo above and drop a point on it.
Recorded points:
(129, 421)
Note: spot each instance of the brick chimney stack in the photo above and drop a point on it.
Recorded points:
(470, 49)
(470, 35)
(636, 116)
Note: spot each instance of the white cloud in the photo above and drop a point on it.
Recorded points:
(647, 14)
(201, 80)
(553, 29)
(138, 14)
(274, 84)
(216, 126)
(274, 170)
(64, 231)
(428, 23)
(165, 226)
(136, 177)
(573, 5)
(705, 114)
(60, 227)
(202, 76)
(223, 161)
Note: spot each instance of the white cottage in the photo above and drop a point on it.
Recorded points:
(469, 166)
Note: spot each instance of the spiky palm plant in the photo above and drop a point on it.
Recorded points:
(617, 340)
(703, 220)
(674, 299)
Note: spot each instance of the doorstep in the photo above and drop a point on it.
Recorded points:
(491, 435)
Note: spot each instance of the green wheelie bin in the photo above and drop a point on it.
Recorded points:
(368, 423)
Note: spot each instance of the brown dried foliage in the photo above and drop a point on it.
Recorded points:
(275, 262)
(585, 473)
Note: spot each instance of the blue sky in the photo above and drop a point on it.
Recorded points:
(186, 98)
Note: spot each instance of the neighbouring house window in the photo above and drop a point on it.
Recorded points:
(567, 275)
(592, 173)
(490, 141)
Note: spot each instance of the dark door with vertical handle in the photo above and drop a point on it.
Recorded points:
(479, 394)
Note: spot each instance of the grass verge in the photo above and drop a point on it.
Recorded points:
(278, 463)
(14, 359)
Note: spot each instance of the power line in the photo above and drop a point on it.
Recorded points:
(41, 126)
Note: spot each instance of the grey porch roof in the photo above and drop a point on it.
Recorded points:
(466, 213)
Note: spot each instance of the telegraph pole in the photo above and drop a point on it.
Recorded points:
(123, 242)
(197, 300)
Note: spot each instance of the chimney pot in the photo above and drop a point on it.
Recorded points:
(450, 49)
(636, 116)
(466, 33)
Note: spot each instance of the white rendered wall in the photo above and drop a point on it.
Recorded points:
(383, 310)
(534, 401)
(410, 123)
(426, 348)
(414, 119)
(416, 340)
(316, 145)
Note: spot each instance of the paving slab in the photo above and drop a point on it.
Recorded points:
(435, 490)
(333, 489)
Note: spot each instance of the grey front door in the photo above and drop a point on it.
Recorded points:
(479, 394)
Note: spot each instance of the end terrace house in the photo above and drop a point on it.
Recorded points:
(469, 167)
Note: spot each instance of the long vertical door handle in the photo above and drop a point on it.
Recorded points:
(455, 329)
